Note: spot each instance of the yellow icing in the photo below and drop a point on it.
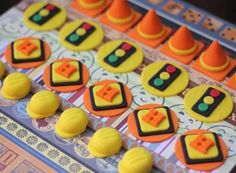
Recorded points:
(71, 123)
(146, 127)
(58, 78)
(16, 86)
(195, 154)
(136, 160)
(43, 104)
(102, 102)
(222, 111)
(105, 142)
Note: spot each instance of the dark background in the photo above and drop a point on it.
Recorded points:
(225, 9)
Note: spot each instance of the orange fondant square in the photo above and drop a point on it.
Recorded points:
(154, 117)
(232, 81)
(93, 12)
(108, 93)
(219, 76)
(186, 59)
(122, 28)
(202, 143)
(152, 42)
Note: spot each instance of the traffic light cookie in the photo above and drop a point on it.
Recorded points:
(44, 16)
(201, 150)
(152, 123)
(27, 52)
(208, 103)
(164, 79)
(107, 98)
(120, 56)
(81, 35)
(66, 75)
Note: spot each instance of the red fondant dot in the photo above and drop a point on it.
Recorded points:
(171, 69)
(50, 7)
(86, 26)
(126, 46)
(215, 93)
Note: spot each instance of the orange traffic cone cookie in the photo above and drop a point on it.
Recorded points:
(214, 62)
(91, 8)
(150, 30)
(232, 81)
(182, 46)
(120, 16)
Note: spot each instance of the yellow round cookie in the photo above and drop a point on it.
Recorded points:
(44, 16)
(72, 32)
(2, 69)
(105, 142)
(129, 64)
(16, 86)
(221, 111)
(136, 160)
(71, 123)
(175, 87)
(43, 104)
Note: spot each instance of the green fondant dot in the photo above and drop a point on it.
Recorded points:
(37, 17)
(158, 82)
(203, 107)
(112, 58)
(73, 37)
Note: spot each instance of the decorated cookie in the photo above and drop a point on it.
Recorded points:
(120, 16)
(27, 52)
(150, 30)
(105, 142)
(71, 123)
(136, 160)
(16, 86)
(164, 79)
(120, 56)
(43, 104)
(201, 150)
(44, 16)
(152, 123)
(107, 98)
(81, 35)
(182, 46)
(66, 75)
(2, 69)
(208, 103)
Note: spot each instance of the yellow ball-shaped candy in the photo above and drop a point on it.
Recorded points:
(16, 86)
(136, 160)
(72, 122)
(105, 142)
(43, 104)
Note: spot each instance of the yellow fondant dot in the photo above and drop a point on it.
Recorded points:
(80, 31)
(164, 75)
(119, 52)
(44, 12)
(105, 142)
(136, 160)
(38, 107)
(16, 86)
(71, 123)
(208, 100)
